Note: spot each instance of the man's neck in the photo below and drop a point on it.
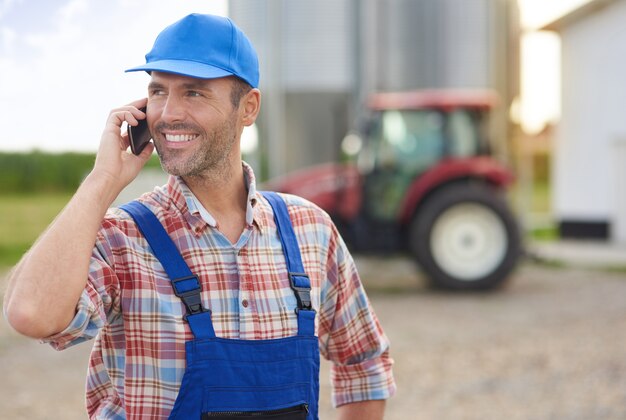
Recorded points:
(224, 197)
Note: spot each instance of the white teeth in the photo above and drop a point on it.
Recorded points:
(179, 138)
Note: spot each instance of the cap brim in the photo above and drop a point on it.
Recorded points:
(183, 68)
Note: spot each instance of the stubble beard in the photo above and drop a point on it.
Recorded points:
(210, 161)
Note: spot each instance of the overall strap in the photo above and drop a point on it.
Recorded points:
(185, 284)
(299, 280)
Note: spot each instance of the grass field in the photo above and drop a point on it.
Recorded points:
(22, 219)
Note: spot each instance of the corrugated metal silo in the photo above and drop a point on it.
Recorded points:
(319, 59)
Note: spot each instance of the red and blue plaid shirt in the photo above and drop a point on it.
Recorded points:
(128, 305)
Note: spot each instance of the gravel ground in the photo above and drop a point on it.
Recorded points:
(551, 345)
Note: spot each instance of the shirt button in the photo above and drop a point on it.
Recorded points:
(244, 303)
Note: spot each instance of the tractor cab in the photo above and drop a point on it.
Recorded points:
(410, 133)
(420, 179)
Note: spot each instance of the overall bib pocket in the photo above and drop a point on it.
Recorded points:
(286, 402)
(298, 412)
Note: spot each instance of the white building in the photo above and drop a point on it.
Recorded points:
(589, 170)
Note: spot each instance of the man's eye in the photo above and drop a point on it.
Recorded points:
(156, 92)
(193, 93)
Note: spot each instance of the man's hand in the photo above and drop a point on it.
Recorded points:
(363, 410)
(113, 160)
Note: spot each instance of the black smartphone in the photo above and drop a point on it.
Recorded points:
(139, 135)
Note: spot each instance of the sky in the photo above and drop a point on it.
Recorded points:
(62, 65)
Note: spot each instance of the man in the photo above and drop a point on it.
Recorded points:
(157, 354)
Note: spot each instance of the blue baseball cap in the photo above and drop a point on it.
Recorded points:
(203, 46)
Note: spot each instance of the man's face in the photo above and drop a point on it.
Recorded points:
(193, 123)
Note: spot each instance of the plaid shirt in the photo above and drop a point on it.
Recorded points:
(138, 359)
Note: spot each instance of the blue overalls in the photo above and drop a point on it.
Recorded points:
(240, 379)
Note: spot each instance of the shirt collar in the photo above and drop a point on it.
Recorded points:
(195, 213)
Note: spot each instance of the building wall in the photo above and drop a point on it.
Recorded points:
(586, 192)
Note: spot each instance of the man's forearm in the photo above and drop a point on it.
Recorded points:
(46, 285)
(363, 410)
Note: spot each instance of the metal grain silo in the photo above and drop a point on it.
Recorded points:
(319, 59)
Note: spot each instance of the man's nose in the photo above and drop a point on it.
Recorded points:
(173, 110)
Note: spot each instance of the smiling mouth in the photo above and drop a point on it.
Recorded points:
(180, 138)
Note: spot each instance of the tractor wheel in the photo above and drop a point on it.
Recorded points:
(465, 238)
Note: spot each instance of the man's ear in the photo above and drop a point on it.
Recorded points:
(250, 106)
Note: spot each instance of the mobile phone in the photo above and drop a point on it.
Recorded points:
(139, 135)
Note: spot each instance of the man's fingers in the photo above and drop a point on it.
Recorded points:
(118, 116)
(130, 114)
(135, 108)
(139, 103)
(147, 151)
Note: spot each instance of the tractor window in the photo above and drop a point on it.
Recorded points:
(463, 134)
(403, 145)
(410, 141)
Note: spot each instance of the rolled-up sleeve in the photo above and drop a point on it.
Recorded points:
(368, 380)
(351, 335)
(83, 327)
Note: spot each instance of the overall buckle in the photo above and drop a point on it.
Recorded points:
(188, 290)
(301, 284)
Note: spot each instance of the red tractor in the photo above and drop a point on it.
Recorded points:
(421, 180)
